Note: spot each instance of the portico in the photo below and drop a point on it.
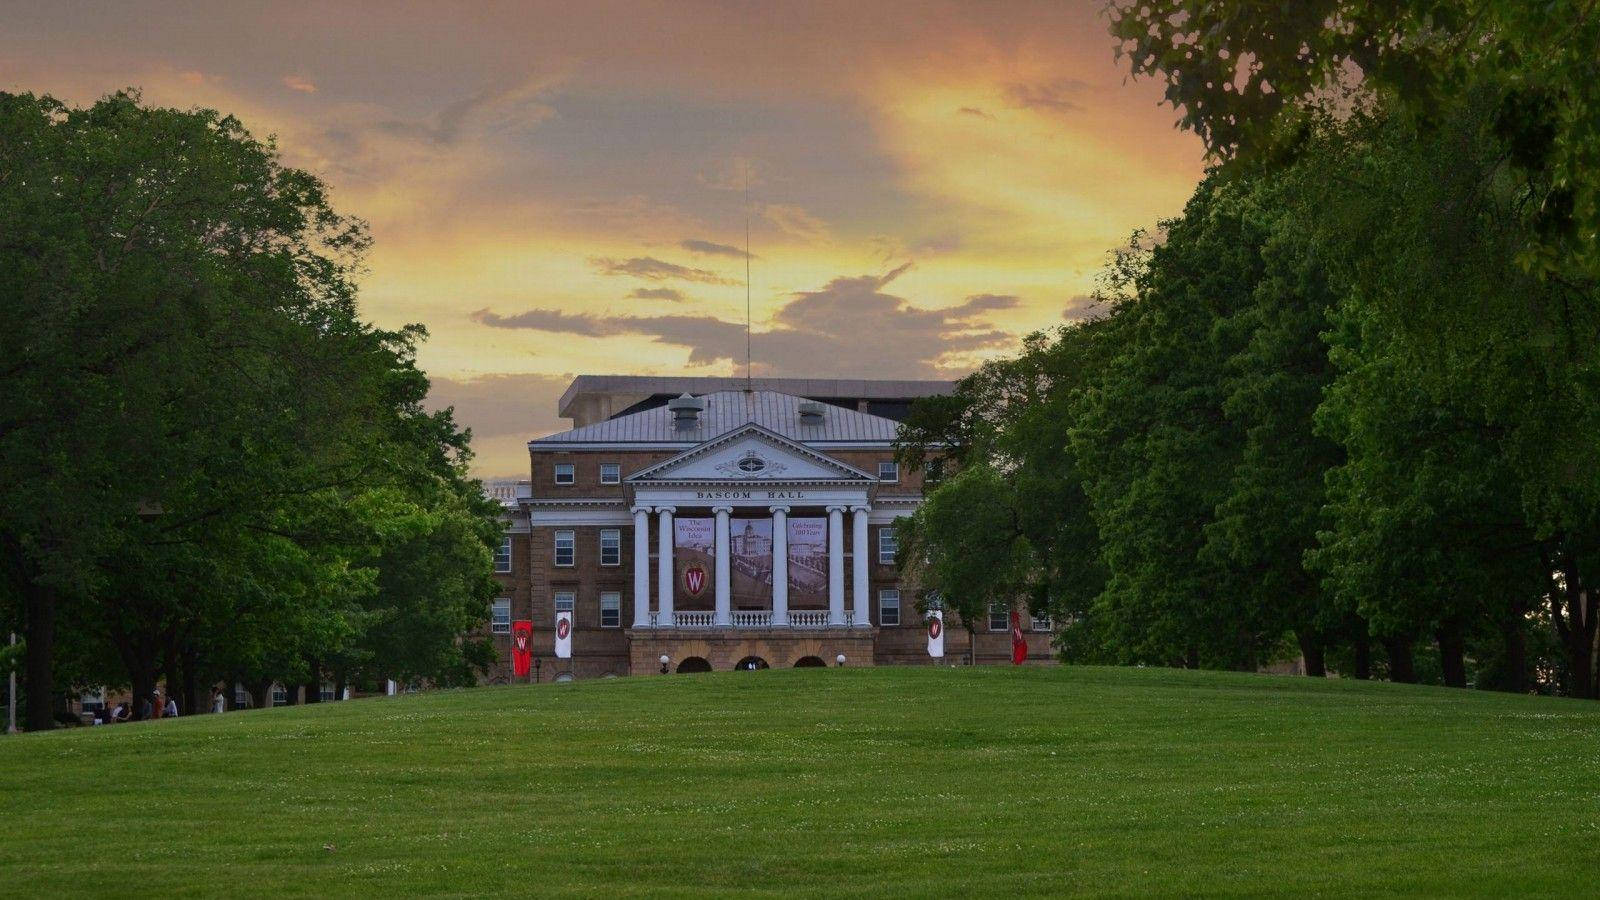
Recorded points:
(751, 473)
(658, 517)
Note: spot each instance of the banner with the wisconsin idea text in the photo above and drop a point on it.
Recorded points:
(694, 559)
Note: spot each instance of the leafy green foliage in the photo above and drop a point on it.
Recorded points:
(208, 457)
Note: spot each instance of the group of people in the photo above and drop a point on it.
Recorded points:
(153, 706)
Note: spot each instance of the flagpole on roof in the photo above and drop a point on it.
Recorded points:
(748, 386)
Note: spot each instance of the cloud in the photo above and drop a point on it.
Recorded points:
(850, 321)
(974, 111)
(652, 269)
(709, 248)
(299, 83)
(516, 104)
(796, 222)
(1050, 96)
(656, 294)
(1080, 306)
(982, 303)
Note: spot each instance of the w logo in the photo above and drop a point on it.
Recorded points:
(694, 580)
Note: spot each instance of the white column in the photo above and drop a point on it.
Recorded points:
(664, 565)
(780, 565)
(641, 567)
(835, 565)
(858, 589)
(724, 568)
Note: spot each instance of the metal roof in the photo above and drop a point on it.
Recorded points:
(815, 388)
(726, 411)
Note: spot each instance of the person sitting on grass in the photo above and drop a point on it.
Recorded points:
(170, 711)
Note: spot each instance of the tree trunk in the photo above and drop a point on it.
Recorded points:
(313, 689)
(1191, 658)
(339, 684)
(1516, 656)
(1362, 643)
(143, 679)
(1452, 654)
(40, 610)
(1311, 650)
(1402, 668)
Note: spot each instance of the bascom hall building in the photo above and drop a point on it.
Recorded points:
(721, 524)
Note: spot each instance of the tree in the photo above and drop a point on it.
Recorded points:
(963, 548)
(1158, 449)
(193, 409)
(1244, 74)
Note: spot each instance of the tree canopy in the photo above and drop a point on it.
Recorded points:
(209, 459)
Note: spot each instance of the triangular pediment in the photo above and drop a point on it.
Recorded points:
(747, 454)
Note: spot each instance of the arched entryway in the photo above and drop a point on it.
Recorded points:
(693, 664)
(810, 662)
(751, 664)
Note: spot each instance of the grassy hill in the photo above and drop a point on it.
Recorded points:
(826, 782)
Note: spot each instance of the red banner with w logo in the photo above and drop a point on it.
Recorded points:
(1019, 644)
(521, 648)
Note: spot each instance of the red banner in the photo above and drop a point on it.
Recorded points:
(521, 648)
(1019, 644)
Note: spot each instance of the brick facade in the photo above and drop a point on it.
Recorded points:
(587, 507)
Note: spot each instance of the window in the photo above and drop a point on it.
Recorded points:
(241, 697)
(565, 601)
(888, 545)
(610, 609)
(279, 695)
(566, 548)
(500, 616)
(610, 473)
(564, 473)
(610, 547)
(888, 470)
(326, 692)
(502, 555)
(93, 701)
(888, 607)
(1041, 621)
(999, 618)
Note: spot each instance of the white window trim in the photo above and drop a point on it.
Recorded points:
(612, 480)
(1039, 623)
(555, 548)
(572, 473)
(883, 593)
(505, 567)
(571, 597)
(603, 533)
(887, 532)
(495, 627)
(889, 462)
(617, 596)
(1005, 615)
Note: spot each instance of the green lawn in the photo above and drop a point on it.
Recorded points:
(884, 782)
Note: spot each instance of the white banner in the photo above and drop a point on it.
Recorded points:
(564, 635)
(936, 634)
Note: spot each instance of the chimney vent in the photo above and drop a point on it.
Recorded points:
(686, 411)
(810, 412)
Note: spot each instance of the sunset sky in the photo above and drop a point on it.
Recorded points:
(558, 189)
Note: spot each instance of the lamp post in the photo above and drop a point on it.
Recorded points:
(664, 660)
(840, 660)
(536, 663)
